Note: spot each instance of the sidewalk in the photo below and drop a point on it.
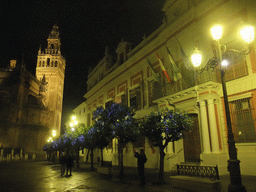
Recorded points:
(131, 177)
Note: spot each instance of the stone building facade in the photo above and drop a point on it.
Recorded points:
(31, 106)
(130, 81)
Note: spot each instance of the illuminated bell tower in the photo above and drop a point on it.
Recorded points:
(51, 69)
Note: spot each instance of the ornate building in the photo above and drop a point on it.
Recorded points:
(31, 107)
(138, 80)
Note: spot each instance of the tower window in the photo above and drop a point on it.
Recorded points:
(56, 63)
(48, 62)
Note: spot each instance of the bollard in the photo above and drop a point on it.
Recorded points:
(2, 152)
(12, 155)
(21, 155)
(26, 156)
(34, 156)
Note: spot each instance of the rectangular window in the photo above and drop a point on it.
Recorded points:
(122, 99)
(236, 70)
(155, 91)
(135, 98)
(108, 104)
(241, 112)
(110, 145)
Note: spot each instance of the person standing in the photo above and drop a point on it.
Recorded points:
(69, 165)
(63, 164)
(142, 159)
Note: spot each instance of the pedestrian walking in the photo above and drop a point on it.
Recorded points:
(63, 164)
(69, 165)
(142, 159)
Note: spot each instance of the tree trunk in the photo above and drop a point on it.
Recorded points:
(121, 163)
(92, 159)
(161, 168)
(77, 158)
(87, 156)
(101, 159)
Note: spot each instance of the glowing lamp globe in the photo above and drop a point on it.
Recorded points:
(196, 58)
(247, 34)
(216, 32)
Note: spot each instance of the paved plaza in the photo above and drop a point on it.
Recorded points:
(45, 177)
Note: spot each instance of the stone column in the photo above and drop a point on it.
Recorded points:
(213, 127)
(204, 128)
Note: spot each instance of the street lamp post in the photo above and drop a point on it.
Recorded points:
(233, 163)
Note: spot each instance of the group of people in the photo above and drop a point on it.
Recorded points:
(67, 163)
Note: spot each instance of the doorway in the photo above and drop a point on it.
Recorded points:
(191, 142)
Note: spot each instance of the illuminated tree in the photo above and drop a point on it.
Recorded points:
(119, 120)
(164, 127)
(104, 134)
(89, 141)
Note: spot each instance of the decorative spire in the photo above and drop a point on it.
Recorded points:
(54, 33)
(40, 51)
(53, 41)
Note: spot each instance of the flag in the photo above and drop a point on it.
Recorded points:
(163, 68)
(152, 70)
(190, 75)
(175, 70)
(184, 58)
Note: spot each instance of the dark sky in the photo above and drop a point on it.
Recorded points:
(86, 27)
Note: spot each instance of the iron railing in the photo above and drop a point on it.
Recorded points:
(199, 171)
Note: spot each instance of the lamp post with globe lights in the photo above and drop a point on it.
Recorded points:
(221, 60)
(73, 123)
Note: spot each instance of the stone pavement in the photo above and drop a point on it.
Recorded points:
(45, 177)
(132, 178)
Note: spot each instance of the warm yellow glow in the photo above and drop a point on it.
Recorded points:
(216, 32)
(72, 129)
(73, 117)
(248, 34)
(54, 133)
(75, 122)
(224, 63)
(71, 124)
(196, 58)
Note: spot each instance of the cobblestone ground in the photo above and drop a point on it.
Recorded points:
(43, 177)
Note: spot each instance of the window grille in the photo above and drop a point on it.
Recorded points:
(242, 118)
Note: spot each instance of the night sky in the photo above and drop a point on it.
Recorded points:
(86, 28)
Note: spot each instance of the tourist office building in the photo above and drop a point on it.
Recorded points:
(158, 74)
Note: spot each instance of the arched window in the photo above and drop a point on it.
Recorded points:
(56, 63)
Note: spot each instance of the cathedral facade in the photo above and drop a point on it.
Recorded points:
(31, 106)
